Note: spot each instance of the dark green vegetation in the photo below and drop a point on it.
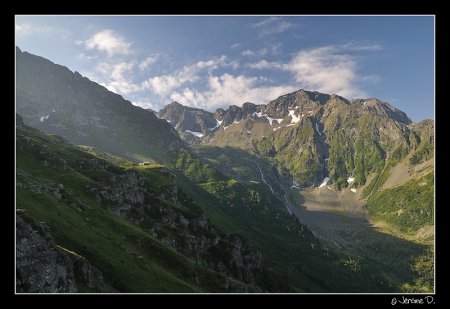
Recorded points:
(245, 167)
(129, 221)
(289, 248)
(423, 267)
(409, 207)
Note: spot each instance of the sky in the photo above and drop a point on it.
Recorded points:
(216, 61)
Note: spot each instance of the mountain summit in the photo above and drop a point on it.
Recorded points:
(191, 123)
(56, 100)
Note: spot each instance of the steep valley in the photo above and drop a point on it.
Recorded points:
(308, 193)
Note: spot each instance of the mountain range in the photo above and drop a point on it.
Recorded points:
(298, 195)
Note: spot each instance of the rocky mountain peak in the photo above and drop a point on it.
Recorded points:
(380, 108)
(191, 123)
(175, 104)
(285, 111)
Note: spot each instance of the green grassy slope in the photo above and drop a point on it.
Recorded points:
(289, 248)
(58, 184)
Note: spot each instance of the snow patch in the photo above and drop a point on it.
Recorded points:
(327, 159)
(290, 125)
(365, 102)
(329, 188)
(350, 179)
(218, 123)
(269, 118)
(295, 119)
(198, 134)
(294, 186)
(353, 190)
(317, 129)
(249, 132)
(259, 114)
(44, 118)
(168, 121)
(235, 121)
(225, 127)
(296, 107)
(324, 182)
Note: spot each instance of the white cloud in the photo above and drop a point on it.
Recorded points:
(84, 56)
(118, 77)
(263, 64)
(147, 62)
(234, 64)
(352, 46)
(325, 69)
(272, 25)
(260, 52)
(235, 45)
(29, 29)
(108, 41)
(373, 79)
(227, 89)
(22, 29)
(266, 22)
(248, 53)
(145, 104)
(329, 69)
(164, 84)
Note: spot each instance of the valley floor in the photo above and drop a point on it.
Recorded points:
(337, 219)
(340, 221)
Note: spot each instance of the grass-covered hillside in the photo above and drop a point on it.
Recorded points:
(147, 230)
(289, 248)
(131, 222)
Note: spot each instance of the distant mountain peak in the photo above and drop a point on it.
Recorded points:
(381, 108)
(290, 109)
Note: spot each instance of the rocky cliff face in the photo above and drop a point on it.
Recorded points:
(43, 267)
(191, 123)
(188, 233)
(315, 135)
(171, 225)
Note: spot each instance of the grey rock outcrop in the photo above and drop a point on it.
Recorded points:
(43, 267)
(191, 235)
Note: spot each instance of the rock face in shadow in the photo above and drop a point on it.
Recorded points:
(56, 100)
(43, 267)
(190, 234)
(188, 119)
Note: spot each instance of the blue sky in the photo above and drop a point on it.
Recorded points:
(216, 61)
